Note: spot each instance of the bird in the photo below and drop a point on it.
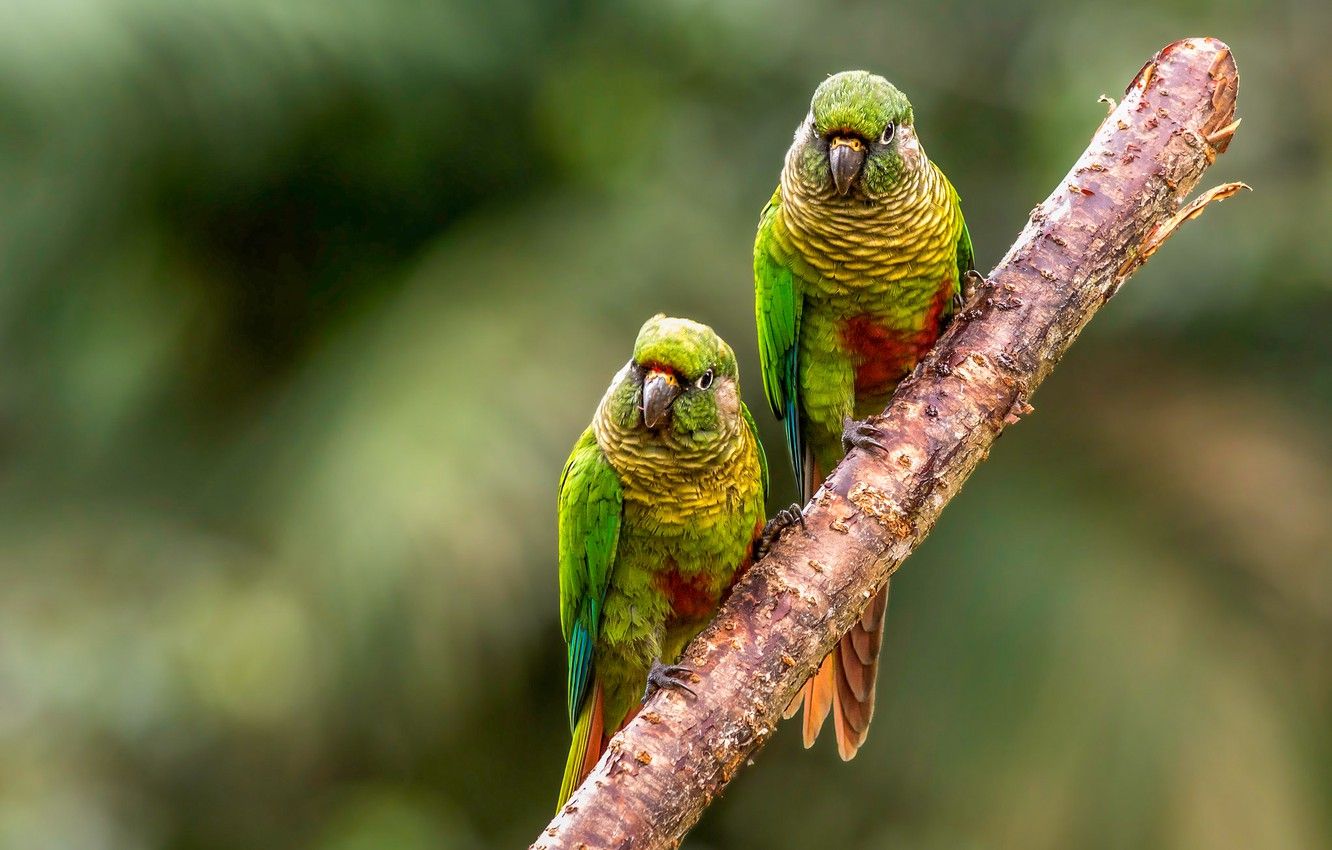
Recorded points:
(859, 263)
(661, 509)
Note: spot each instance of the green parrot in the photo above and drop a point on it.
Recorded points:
(858, 266)
(661, 508)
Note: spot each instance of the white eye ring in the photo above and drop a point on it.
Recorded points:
(704, 381)
(887, 134)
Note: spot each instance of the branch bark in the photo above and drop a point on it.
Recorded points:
(1115, 207)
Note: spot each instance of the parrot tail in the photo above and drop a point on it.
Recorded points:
(588, 740)
(844, 683)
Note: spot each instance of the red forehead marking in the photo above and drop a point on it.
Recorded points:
(657, 366)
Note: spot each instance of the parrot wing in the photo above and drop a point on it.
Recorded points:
(758, 445)
(966, 255)
(777, 304)
(590, 505)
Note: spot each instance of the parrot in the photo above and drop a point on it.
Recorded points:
(859, 263)
(661, 509)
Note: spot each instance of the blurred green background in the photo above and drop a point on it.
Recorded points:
(304, 303)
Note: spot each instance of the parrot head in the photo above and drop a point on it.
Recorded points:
(859, 136)
(681, 383)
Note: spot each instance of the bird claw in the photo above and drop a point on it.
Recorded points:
(860, 435)
(972, 282)
(782, 520)
(667, 676)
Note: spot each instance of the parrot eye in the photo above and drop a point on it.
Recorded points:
(704, 381)
(887, 134)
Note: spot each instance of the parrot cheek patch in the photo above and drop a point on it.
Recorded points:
(908, 146)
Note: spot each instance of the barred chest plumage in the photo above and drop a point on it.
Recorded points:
(674, 486)
(856, 246)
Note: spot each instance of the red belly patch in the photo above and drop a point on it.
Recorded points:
(691, 598)
(884, 355)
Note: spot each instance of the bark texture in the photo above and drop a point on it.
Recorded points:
(1119, 202)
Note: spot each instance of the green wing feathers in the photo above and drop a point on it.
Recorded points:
(966, 255)
(758, 446)
(777, 305)
(590, 504)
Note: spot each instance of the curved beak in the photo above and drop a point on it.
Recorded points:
(845, 156)
(659, 390)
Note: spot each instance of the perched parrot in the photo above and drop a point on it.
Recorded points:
(661, 508)
(858, 266)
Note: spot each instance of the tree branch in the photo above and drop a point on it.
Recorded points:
(1106, 217)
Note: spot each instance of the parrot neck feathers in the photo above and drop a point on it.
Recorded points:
(664, 462)
(845, 239)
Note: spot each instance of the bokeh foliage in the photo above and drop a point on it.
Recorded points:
(303, 304)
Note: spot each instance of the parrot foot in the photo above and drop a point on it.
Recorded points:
(668, 676)
(782, 520)
(972, 282)
(860, 435)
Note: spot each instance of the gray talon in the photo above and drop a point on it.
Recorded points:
(860, 435)
(782, 520)
(667, 676)
(972, 282)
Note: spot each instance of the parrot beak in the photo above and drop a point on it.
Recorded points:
(659, 390)
(845, 156)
